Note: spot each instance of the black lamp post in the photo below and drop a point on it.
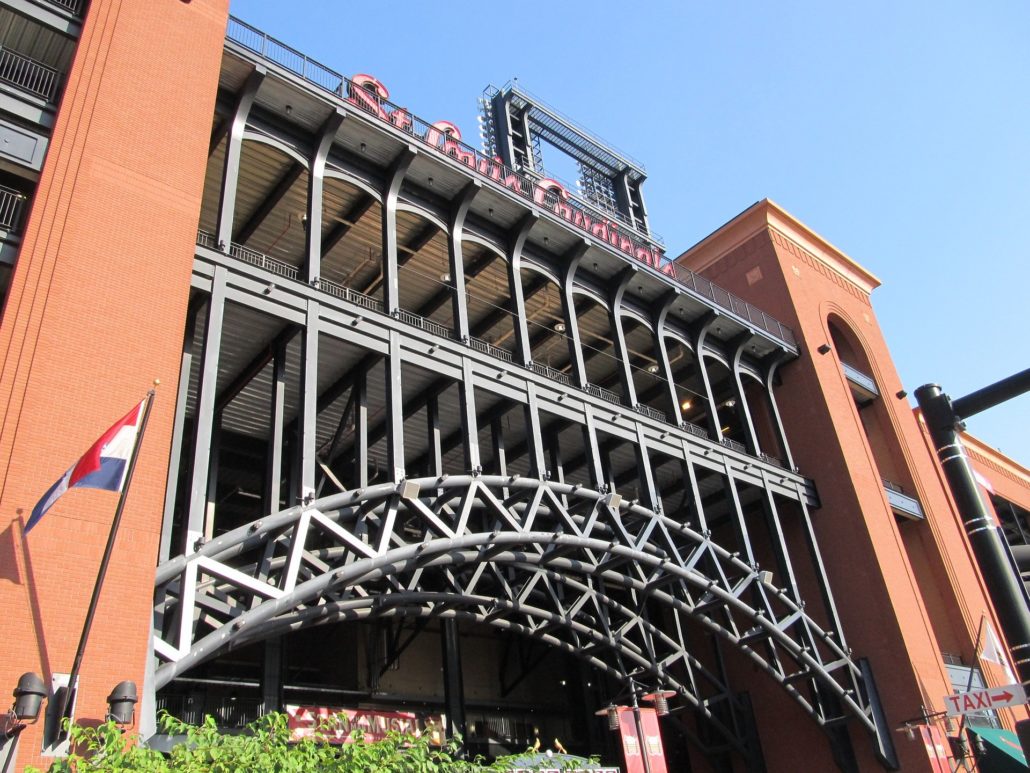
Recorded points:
(944, 423)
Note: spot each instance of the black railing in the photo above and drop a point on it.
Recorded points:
(494, 351)
(12, 207)
(438, 137)
(694, 430)
(28, 74)
(228, 712)
(552, 373)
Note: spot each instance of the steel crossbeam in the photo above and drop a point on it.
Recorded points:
(621, 587)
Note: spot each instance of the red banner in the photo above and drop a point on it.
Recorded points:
(630, 741)
(653, 740)
(936, 748)
(343, 725)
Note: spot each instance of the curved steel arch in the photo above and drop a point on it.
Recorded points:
(583, 571)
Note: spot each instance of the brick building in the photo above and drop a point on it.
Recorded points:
(474, 446)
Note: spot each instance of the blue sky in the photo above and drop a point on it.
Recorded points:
(896, 130)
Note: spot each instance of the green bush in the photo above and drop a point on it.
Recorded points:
(264, 746)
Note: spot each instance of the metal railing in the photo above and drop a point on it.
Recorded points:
(552, 373)
(494, 351)
(28, 74)
(773, 460)
(604, 394)
(855, 376)
(694, 430)
(571, 211)
(901, 501)
(72, 6)
(730, 443)
(654, 413)
(423, 323)
(12, 207)
(281, 268)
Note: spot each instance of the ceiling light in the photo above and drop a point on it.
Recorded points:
(559, 327)
(652, 368)
(445, 277)
(686, 405)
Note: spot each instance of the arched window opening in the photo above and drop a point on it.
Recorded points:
(728, 419)
(598, 346)
(352, 238)
(491, 317)
(688, 385)
(649, 382)
(549, 341)
(271, 203)
(762, 416)
(423, 273)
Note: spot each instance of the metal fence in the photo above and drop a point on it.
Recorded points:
(28, 74)
(653, 413)
(604, 394)
(12, 207)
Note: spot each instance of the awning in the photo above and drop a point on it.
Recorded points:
(1003, 752)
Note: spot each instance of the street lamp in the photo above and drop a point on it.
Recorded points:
(635, 693)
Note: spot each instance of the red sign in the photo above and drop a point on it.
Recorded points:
(369, 94)
(630, 741)
(344, 725)
(936, 748)
(634, 748)
(653, 740)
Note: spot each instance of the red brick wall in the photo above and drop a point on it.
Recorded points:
(94, 315)
(906, 592)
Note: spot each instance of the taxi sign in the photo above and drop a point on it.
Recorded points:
(985, 700)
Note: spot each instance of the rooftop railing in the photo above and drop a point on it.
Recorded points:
(12, 207)
(600, 226)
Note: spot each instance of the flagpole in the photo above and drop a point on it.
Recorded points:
(102, 572)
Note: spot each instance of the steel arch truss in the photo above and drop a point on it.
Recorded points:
(626, 589)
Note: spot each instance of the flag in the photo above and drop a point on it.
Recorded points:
(103, 466)
(992, 651)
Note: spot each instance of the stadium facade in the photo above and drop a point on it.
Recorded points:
(438, 435)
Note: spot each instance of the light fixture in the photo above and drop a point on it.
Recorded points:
(652, 368)
(559, 327)
(121, 703)
(445, 277)
(686, 405)
(28, 697)
(362, 147)
(289, 110)
(823, 349)
(430, 181)
(901, 394)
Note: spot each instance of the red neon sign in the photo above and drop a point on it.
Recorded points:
(369, 94)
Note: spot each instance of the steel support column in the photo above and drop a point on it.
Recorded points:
(360, 445)
(469, 424)
(204, 415)
(316, 183)
(456, 260)
(629, 392)
(453, 683)
(700, 332)
(391, 279)
(276, 435)
(771, 363)
(306, 426)
(233, 152)
(568, 308)
(179, 427)
(518, 301)
(534, 434)
(738, 347)
(658, 330)
(394, 411)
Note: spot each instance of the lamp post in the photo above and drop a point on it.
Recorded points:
(635, 693)
(944, 421)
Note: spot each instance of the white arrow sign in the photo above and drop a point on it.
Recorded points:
(985, 700)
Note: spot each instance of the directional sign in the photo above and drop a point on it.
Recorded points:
(985, 700)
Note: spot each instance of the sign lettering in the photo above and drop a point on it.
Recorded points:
(985, 700)
(369, 94)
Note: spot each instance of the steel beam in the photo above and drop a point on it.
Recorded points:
(391, 280)
(312, 269)
(233, 152)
